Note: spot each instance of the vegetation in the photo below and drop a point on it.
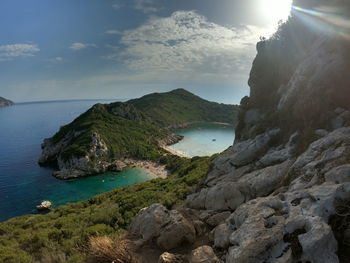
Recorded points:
(124, 137)
(5, 102)
(62, 235)
(180, 106)
(109, 249)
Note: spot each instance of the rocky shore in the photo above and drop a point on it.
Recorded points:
(94, 162)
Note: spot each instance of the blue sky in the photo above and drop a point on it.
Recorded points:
(83, 49)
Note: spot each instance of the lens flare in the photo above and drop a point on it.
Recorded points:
(325, 19)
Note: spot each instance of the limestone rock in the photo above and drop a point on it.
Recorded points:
(222, 235)
(169, 228)
(280, 154)
(340, 174)
(76, 166)
(229, 195)
(322, 156)
(321, 132)
(248, 151)
(218, 218)
(252, 116)
(167, 257)
(269, 229)
(204, 254)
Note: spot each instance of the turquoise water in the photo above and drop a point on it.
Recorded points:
(23, 183)
(204, 139)
(84, 188)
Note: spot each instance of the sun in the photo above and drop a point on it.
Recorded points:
(275, 10)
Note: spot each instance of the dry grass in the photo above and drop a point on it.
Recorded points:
(104, 249)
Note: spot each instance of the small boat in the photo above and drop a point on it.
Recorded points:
(44, 205)
(214, 140)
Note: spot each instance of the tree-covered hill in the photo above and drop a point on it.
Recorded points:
(99, 139)
(5, 102)
(181, 106)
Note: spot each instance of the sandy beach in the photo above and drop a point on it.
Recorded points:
(156, 169)
(174, 152)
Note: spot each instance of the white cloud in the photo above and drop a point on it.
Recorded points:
(146, 6)
(9, 52)
(56, 59)
(113, 32)
(187, 44)
(79, 46)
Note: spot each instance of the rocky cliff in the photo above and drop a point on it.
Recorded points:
(5, 102)
(281, 193)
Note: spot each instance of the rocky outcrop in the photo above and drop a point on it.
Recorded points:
(127, 111)
(170, 229)
(5, 102)
(92, 162)
(170, 139)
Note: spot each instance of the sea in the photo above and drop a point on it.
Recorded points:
(24, 184)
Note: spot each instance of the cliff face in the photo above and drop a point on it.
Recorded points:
(281, 192)
(5, 102)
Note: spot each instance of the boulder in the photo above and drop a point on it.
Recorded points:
(229, 195)
(168, 227)
(248, 151)
(204, 254)
(222, 235)
(218, 218)
(167, 257)
(279, 154)
(340, 174)
(324, 154)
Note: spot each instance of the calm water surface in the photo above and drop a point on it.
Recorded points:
(204, 139)
(24, 184)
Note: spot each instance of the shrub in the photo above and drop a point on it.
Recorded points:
(11, 255)
(104, 249)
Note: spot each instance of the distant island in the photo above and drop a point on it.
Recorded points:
(109, 137)
(5, 102)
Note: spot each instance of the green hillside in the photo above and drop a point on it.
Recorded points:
(180, 106)
(125, 136)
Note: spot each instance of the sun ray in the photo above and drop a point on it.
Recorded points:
(324, 19)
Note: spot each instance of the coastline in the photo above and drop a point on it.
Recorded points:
(174, 152)
(155, 169)
(187, 124)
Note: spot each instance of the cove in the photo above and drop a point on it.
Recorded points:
(204, 139)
